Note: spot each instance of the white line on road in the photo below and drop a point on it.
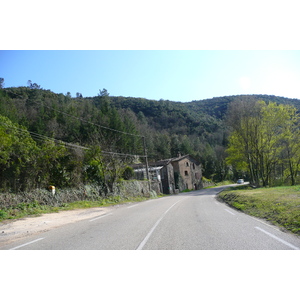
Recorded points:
(277, 238)
(144, 241)
(229, 211)
(100, 217)
(132, 206)
(23, 245)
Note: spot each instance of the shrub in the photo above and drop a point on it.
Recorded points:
(128, 173)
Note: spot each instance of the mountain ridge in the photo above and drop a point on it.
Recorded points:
(197, 127)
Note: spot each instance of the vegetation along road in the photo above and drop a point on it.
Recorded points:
(194, 220)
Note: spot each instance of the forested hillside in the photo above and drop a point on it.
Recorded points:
(34, 121)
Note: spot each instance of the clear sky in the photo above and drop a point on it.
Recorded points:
(166, 74)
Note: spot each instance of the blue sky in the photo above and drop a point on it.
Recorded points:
(166, 74)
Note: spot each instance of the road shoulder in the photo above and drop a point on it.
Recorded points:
(12, 230)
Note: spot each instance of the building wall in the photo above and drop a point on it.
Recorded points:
(190, 173)
(185, 170)
(167, 179)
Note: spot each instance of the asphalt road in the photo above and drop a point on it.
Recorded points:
(194, 220)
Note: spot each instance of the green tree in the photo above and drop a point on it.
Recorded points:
(258, 138)
(33, 85)
(52, 165)
(103, 93)
(291, 146)
(17, 156)
(104, 170)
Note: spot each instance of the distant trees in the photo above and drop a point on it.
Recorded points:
(264, 141)
(17, 155)
(28, 159)
(26, 164)
(103, 93)
(262, 138)
(33, 85)
(104, 170)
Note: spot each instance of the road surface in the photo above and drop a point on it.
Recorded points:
(188, 221)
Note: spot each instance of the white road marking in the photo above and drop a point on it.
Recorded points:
(278, 239)
(258, 220)
(132, 206)
(229, 211)
(23, 245)
(144, 241)
(100, 217)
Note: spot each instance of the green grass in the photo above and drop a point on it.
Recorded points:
(22, 210)
(225, 182)
(26, 209)
(186, 191)
(279, 205)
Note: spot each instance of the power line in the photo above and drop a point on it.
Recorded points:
(81, 119)
(40, 137)
(107, 128)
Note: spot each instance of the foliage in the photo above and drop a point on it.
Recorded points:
(264, 136)
(198, 128)
(128, 173)
(17, 155)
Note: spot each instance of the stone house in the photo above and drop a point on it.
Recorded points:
(180, 173)
(187, 173)
(166, 175)
(160, 172)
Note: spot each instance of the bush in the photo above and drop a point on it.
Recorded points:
(128, 173)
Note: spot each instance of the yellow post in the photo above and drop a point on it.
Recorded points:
(52, 189)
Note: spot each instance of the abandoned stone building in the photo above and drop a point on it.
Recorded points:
(173, 174)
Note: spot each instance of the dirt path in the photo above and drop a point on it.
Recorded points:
(12, 230)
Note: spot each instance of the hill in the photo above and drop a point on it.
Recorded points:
(197, 128)
(217, 106)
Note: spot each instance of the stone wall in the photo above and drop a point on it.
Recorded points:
(124, 189)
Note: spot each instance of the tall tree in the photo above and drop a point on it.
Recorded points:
(258, 137)
(291, 146)
(17, 156)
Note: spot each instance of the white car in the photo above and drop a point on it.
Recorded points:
(240, 181)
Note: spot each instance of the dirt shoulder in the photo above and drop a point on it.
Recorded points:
(12, 230)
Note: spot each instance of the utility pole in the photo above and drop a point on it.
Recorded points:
(147, 167)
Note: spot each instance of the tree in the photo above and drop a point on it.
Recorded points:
(104, 170)
(103, 93)
(33, 85)
(291, 146)
(17, 156)
(102, 101)
(258, 138)
(1, 83)
(54, 159)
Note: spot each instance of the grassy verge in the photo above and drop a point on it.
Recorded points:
(279, 205)
(225, 182)
(34, 208)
